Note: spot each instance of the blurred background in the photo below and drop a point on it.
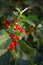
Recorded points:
(33, 45)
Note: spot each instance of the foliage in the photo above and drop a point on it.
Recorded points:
(21, 30)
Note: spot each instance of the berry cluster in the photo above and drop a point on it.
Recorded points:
(14, 42)
(18, 28)
(12, 45)
(15, 38)
(7, 22)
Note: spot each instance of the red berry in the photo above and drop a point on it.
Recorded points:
(8, 48)
(15, 43)
(7, 25)
(17, 38)
(12, 43)
(12, 47)
(7, 22)
(12, 36)
(21, 30)
(17, 27)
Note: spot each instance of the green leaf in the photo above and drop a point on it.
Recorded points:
(4, 39)
(24, 18)
(2, 51)
(17, 33)
(27, 20)
(26, 25)
(34, 18)
(25, 48)
(31, 19)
